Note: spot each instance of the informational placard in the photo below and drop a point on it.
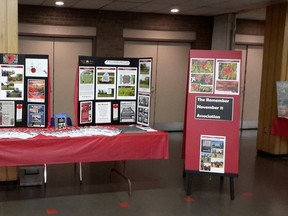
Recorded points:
(213, 112)
(214, 108)
(116, 90)
(24, 90)
(282, 99)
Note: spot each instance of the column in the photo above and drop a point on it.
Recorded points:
(8, 44)
(224, 32)
(275, 68)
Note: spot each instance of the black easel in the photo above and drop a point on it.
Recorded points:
(231, 176)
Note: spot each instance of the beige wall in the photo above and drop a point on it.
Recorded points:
(251, 73)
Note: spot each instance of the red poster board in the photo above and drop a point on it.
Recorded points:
(211, 134)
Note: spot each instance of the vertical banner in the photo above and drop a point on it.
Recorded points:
(212, 116)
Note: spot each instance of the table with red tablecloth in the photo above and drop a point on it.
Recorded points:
(57, 150)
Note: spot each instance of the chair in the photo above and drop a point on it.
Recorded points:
(69, 123)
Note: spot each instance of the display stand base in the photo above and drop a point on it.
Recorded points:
(189, 174)
(122, 174)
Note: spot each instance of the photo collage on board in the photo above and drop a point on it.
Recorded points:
(114, 91)
(24, 90)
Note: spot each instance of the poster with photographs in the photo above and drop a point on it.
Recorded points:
(12, 82)
(7, 113)
(145, 70)
(85, 112)
(126, 83)
(212, 154)
(36, 90)
(102, 112)
(35, 67)
(86, 83)
(116, 90)
(36, 115)
(227, 76)
(105, 83)
(143, 109)
(24, 81)
(127, 111)
(201, 76)
(282, 99)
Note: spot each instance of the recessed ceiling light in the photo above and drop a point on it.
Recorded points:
(59, 3)
(174, 10)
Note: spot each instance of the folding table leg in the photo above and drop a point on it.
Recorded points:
(122, 174)
(80, 171)
(45, 173)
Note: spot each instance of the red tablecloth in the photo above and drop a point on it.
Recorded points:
(280, 127)
(53, 150)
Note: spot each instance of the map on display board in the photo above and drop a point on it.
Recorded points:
(113, 91)
(212, 116)
(24, 90)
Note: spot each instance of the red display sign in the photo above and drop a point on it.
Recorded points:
(213, 112)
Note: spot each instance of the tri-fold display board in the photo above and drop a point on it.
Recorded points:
(113, 91)
(24, 90)
(213, 112)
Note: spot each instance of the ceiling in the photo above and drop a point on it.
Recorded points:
(246, 9)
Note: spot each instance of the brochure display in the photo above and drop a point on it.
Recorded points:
(24, 90)
(213, 113)
(113, 91)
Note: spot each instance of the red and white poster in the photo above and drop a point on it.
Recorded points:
(213, 112)
(86, 112)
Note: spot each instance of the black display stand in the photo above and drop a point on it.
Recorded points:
(113, 91)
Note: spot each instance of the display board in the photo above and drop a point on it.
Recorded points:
(213, 112)
(24, 90)
(113, 91)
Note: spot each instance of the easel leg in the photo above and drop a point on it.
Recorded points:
(188, 190)
(231, 187)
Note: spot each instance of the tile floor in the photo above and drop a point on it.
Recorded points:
(158, 188)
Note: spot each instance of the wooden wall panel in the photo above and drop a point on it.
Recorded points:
(8, 44)
(274, 69)
(9, 26)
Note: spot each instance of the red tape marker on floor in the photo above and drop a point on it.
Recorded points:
(247, 194)
(124, 205)
(52, 211)
(189, 199)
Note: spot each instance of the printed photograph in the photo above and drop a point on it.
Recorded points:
(126, 91)
(36, 90)
(105, 92)
(145, 68)
(202, 66)
(105, 78)
(228, 71)
(10, 59)
(86, 76)
(144, 82)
